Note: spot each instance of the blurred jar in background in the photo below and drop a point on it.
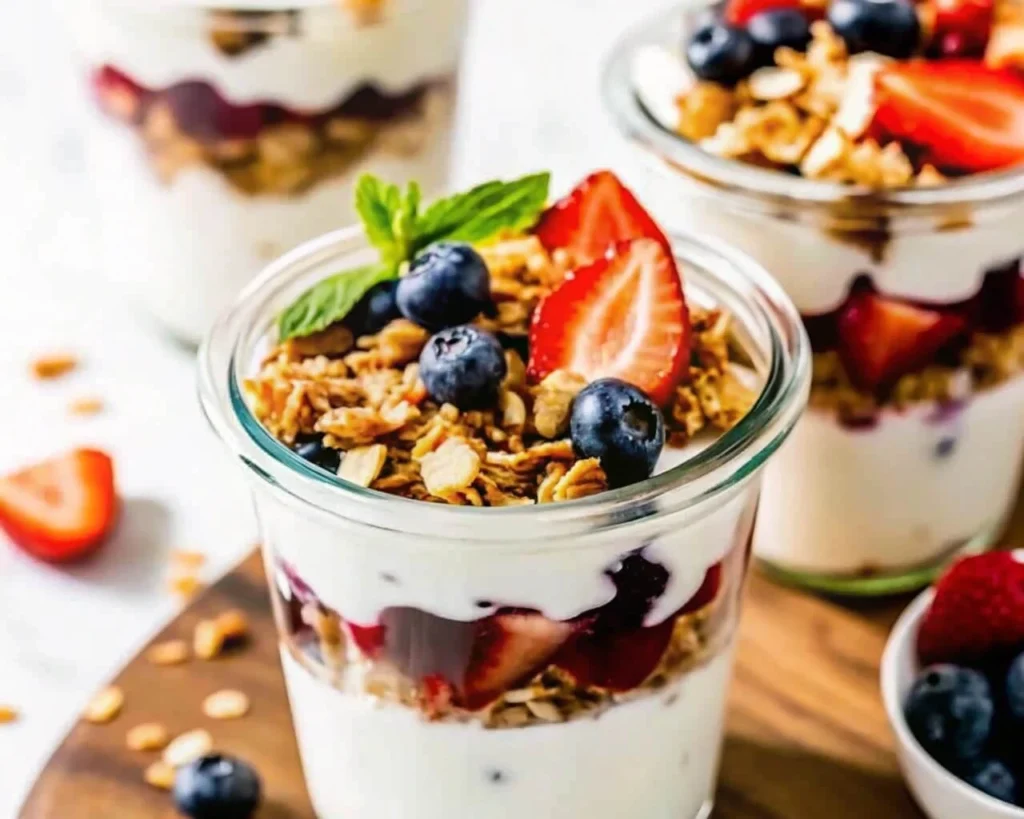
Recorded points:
(222, 137)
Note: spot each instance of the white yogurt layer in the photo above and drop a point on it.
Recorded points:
(184, 250)
(655, 758)
(313, 71)
(896, 495)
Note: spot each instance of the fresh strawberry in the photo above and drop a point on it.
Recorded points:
(881, 339)
(61, 509)
(618, 661)
(977, 613)
(369, 639)
(436, 695)
(622, 316)
(739, 12)
(962, 27)
(509, 648)
(965, 116)
(598, 213)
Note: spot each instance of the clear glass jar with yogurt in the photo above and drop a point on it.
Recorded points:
(224, 133)
(397, 617)
(864, 500)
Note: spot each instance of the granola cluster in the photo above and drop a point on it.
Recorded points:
(366, 398)
(988, 360)
(286, 158)
(809, 113)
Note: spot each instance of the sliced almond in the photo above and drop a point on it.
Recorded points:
(226, 704)
(450, 468)
(160, 775)
(774, 83)
(149, 736)
(363, 464)
(544, 711)
(825, 155)
(105, 706)
(187, 747)
(857, 109)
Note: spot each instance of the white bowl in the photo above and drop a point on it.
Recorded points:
(940, 794)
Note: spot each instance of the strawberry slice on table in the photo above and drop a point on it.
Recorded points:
(509, 648)
(61, 509)
(978, 611)
(622, 316)
(598, 213)
(965, 116)
(881, 339)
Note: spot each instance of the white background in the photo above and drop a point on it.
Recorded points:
(530, 101)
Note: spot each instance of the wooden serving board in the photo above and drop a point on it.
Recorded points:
(807, 734)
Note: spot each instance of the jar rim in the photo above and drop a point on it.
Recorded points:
(764, 185)
(737, 453)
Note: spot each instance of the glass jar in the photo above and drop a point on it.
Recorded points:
(225, 133)
(393, 613)
(865, 499)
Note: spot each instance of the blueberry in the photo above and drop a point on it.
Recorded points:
(780, 28)
(887, 27)
(615, 422)
(217, 787)
(374, 310)
(994, 778)
(312, 449)
(463, 366)
(1015, 689)
(721, 53)
(949, 710)
(447, 284)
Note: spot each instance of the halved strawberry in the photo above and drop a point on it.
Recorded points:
(739, 12)
(965, 116)
(881, 339)
(61, 509)
(617, 661)
(598, 213)
(622, 316)
(978, 611)
(962, 27)
(510, 648)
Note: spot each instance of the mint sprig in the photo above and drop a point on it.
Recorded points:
(399, 230)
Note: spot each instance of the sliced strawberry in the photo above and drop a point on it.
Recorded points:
(61, 509)
(965, 116)
(739, 12)
(508, 649)
(707, 592)
(881, 339)
(962, 27)
(617, 661)
(369, 639)
(598, 213)
(977, 613)
(622, 316)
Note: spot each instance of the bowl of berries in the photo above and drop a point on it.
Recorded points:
(953, 687)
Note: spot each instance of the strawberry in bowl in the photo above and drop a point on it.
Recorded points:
(870, 153)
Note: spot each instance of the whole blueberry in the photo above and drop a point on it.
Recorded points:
(994, 778)
(618, 424)
(888, 27)
(719, 52)
(1015, 689)
(312, 449)
(463, 366)
(779, 28)
(949, 710)
(374, 310)
(217, 787)
(447, 285)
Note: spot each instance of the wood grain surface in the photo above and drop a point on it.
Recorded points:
(807, 736)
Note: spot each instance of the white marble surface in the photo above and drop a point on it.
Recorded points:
(530, 102)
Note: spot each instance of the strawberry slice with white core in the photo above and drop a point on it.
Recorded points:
(881, 339)
(61, 509)
(967, 117)
(508, 649)
(597, 214)
(623, 316)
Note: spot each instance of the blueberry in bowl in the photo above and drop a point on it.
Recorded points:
(447, 284)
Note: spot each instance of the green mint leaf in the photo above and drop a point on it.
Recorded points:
(484, 211)
(377, 202)
(330, 300)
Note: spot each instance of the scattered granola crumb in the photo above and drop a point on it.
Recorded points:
(8, 714)
(185, 585)
(169, 652)
(188, 559)
(86, 405)
(105, 706)
(226, 704)
(149, 736)
(208, 640)
(233, 625)
(363, 464)
(53, 365)
(187, 747)
(160, 775)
